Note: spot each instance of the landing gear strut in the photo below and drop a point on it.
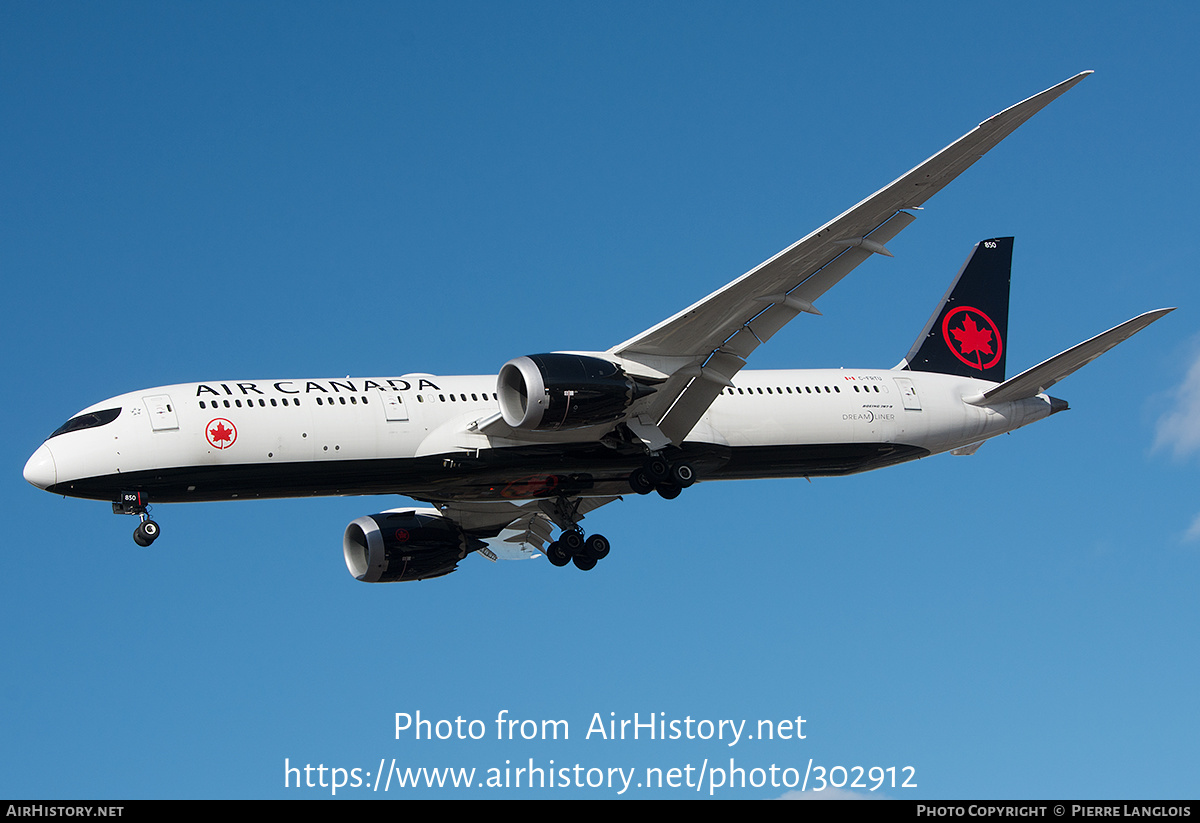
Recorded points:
(135, 503)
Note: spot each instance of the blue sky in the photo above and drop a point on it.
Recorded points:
(225, 192)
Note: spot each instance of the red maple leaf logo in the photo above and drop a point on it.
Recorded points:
(221, 433)
(971, 338)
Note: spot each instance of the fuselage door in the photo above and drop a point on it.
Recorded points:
(908, 393)
(162, 413)
(393, 406)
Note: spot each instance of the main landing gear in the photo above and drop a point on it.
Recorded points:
(572, 547)
(660, 475)
(135, 503)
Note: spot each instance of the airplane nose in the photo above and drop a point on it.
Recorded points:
(40, 469)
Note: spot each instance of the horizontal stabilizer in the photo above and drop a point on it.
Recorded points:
(1032, 382)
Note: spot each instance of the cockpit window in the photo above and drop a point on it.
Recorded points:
(88, 420)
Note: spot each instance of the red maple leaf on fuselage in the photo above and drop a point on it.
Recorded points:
(220, 433)
(971, 338)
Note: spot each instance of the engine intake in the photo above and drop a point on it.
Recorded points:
(549, 392)
(405, 544)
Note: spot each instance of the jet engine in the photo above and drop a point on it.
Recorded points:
(549, 392)
(404, 544)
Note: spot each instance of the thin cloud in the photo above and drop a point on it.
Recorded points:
(1179, 429)
(1193, 533)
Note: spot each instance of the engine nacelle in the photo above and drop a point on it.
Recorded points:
(549, 392)
(404, 544)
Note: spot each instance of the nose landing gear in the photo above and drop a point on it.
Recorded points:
(135, 503)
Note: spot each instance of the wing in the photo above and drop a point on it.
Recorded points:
(523, 528)
(702, 347)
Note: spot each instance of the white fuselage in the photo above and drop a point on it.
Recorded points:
(413, 435)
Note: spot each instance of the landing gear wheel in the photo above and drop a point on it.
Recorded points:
(596, 547)
(683, 475)
(584, 564)
(657, 469)
(640, 482)
(146, 533)
(571, 542)
(668, 491)
(557, 555)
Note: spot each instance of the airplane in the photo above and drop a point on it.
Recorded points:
(505, 460)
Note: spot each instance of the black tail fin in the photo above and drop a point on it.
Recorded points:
(967, 334)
